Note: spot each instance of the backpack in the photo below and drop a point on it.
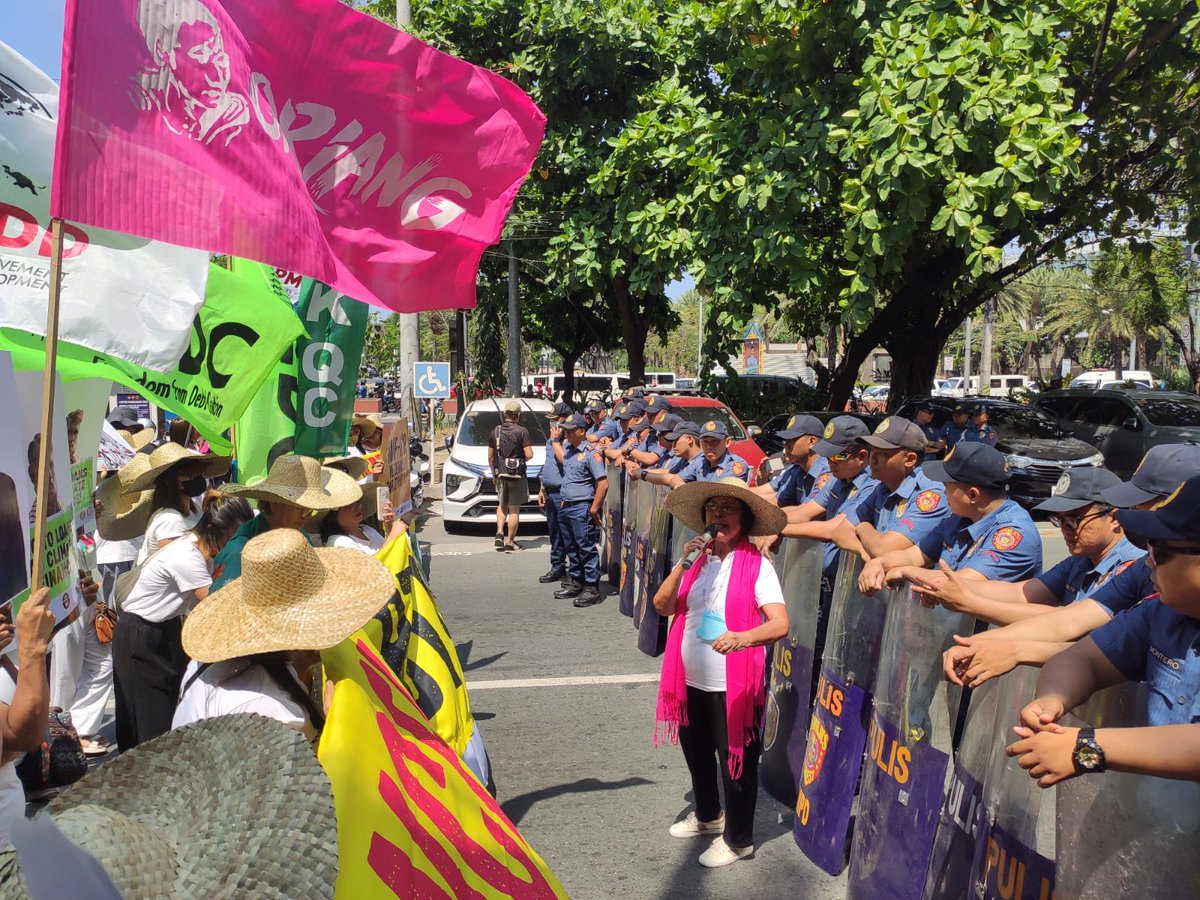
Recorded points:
(510, 452)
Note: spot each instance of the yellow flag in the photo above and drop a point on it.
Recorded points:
(412, 819)
(412, 638)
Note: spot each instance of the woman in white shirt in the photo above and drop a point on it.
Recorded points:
(252, 639)
(727, 608)
(176, 475)
(346, 527)
(148, 657)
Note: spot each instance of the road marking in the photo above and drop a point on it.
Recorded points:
(571, 681)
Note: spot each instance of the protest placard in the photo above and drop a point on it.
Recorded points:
(397, 464)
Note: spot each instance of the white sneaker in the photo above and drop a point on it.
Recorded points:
(693, 827)
(721, 854)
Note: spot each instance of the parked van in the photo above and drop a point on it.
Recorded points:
(1107, 378)
(998, 386)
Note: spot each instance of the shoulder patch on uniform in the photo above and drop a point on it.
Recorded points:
(596, 457)
(738, 468)
(1006, 539)
(1121, 567)
(823, 479)
(829, 430)
(927, 501)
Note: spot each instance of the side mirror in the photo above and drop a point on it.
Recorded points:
(1133, 423)
(754, 430)
(449, 441)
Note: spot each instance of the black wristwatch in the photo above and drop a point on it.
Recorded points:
(1088, 757)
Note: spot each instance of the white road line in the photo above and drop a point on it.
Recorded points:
(572, 681)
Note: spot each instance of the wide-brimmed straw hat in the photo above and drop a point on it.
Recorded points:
(686, 503)
(366, 426)
(124, 515)
(169, 455)
(354, 466)
(136, 439)
(235, 806)
(290, 596)
(301, 481)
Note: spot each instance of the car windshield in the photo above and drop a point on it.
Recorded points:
(1179, 412)
(478, 424)
(702, 414)
(1023, 422)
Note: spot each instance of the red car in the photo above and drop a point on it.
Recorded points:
(701, 409)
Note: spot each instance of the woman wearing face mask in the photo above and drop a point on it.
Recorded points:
(728, 606)
(148, 657)
(176, 475)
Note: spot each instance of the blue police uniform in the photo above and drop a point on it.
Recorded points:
(1155, 644)
(838, 497)
(583, 469)
(1075, 578)
(1126, 589)
(930, 431)
(914, 509)
(674, 463)
(1004, 545)
(985, 435)
(650, 444)
(728, 466)
(609, 428)
(795, 485)
(552, 473)
(952, 434)
(622, 438)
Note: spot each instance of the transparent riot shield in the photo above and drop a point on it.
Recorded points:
(837, 729)
(1122, 835)
(908, 751)
(629, 542)
(611, 560)
(652, 628)
(789, 693)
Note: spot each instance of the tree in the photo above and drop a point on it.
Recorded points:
(381, 348)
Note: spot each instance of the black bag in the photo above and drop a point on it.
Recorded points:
(59, 761)
(510, 452)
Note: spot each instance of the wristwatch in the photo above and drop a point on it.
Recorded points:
(1088, 757)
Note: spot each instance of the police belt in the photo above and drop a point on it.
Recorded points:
(581, 500)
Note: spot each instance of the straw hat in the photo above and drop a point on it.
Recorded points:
(686, 503)
(137, 440)
(169, 455)
(354, 466)
(301, 481)
(366, 426)
(123, 514)
(235, 806)
(290, 596)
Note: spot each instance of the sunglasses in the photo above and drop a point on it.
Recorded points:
(841, 457)
(1161, 552)
(1072, 523)
(717, 506)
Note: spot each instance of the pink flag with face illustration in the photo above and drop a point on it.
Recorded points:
(299, 133)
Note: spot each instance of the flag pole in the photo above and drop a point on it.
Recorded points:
(45, 459)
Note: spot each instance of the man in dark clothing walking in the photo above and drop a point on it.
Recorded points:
(508, 452)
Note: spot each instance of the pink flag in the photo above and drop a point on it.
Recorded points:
(299, 133)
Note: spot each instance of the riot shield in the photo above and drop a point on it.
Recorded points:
(908, 751)
(1122, 835)
(652, 628)
(789, 694)
(611, 560)
(837, 730)
(629, 536)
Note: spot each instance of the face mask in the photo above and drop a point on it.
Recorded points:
(194, 486)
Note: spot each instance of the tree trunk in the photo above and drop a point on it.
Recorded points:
(985, 353)
(631, 328)
(568, 363)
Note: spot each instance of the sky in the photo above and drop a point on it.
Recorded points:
(36, 33)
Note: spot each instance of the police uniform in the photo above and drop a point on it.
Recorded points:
(985, 435)
(728, 466)
(914, 509)
(650, 444)
(1004, 545)
(551, 476)
(952, 434)
(1076, 577)
(795, 485)
(583, 469)
(839, 497)
(607, 429)
(1126, 589)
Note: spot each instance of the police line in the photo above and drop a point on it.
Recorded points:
(868, 761)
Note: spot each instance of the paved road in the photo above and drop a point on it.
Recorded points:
(565, 702)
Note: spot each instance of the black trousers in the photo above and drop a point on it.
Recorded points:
(705, 743)
(148, 666)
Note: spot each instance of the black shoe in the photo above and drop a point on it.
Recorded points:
(499, 542)
(589, 596)
(553, 575)
(569, 591)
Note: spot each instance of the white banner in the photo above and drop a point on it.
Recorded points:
(122, 295)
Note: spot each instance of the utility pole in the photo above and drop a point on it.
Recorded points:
(410, 325)
(699, 334)
(967, 359)
(514, 327)
(985, 354)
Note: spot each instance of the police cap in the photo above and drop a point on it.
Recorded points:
(1079, 486)
(977, 465)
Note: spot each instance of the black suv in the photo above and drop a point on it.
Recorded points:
(1124, 424)
(1038, 449)
(768, 437)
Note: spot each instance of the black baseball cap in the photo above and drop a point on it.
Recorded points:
(657, 404)
(924, 406)
(978, 409)
(1078, 487)
(594, 407)
(969, 463)
(1175, 519)
(670, 420)
(631, 410)
(897, 433)
(799, 426)
(1163, 468)
(840, 433)
(573, 421)
(685, 427)
(561, 410)
(960, 408)
(641, 426)
(632, 392)
(714, 428)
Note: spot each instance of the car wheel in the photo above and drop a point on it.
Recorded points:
(454, 527)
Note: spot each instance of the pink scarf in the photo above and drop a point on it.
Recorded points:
(745, 688)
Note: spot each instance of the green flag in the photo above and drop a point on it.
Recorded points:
(237, 338)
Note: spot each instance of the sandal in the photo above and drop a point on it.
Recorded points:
(95, 745)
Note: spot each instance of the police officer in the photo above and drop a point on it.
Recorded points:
(989, 535)
(654, 447)
(549, 499)
(685, 447)
(628, 415)
(806, 472)
(584, 484)
(980, 432)
(904, 505)
(602, 424)
(1157, 641)
(657, 406)
(924, 419)
(954, 430)
(715, 460)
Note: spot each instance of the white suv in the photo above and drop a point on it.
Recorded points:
(468, 492)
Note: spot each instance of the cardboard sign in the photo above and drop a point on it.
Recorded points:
(397, 464)
(83, 483)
